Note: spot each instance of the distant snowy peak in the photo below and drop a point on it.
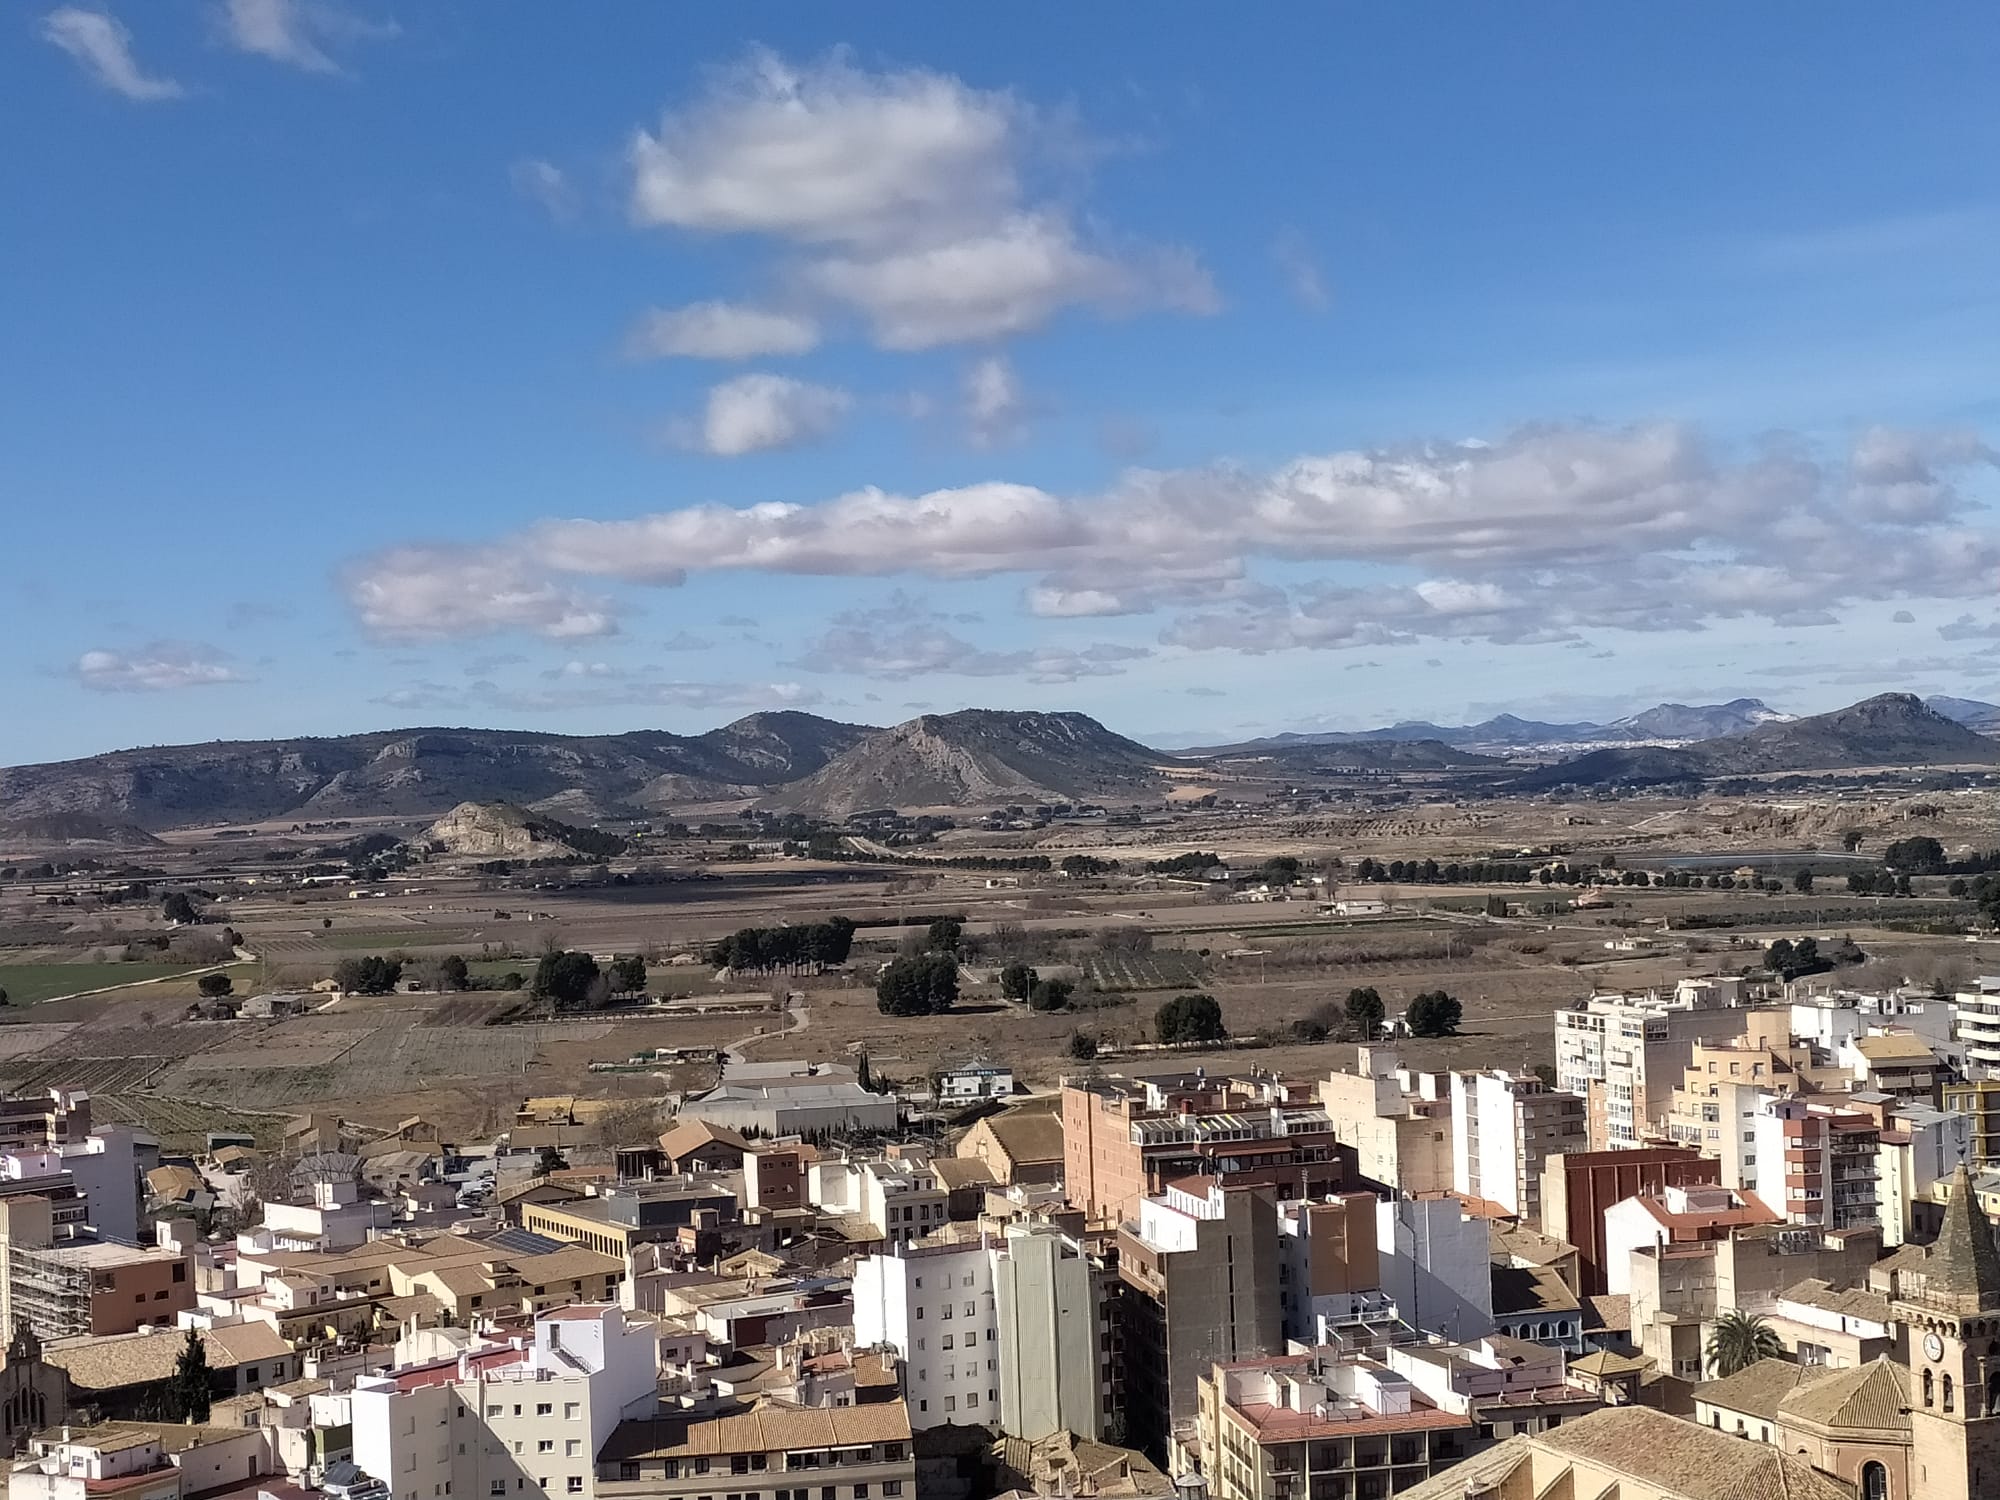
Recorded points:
(1683, 722)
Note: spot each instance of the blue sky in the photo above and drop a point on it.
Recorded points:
(368, 364)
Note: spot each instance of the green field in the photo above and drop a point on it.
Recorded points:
(29, 984)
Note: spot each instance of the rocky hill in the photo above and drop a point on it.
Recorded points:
(500, 830)
(418, 773)
(1889, 730)
(71, 830)
(980, 756)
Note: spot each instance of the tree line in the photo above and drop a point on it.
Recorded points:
(764, 948)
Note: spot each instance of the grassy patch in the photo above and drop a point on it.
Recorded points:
(29, 984)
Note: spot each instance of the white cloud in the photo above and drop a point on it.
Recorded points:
(104, 48)
(755, 413)
(1965, 628)
(721, 330)
(899, 195)
(1300, 269)
(297, 32)
(545, 183)
(995, 408)
(907, 639)
(1539, 535)
(431, 592)
(160, 667)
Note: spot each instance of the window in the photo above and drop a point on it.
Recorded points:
(545, 1408)
(251, 1373)
(493, 1408)
(861, 1492)
(546, 1445)
(739, 1463)
(499, 1487)
(1874, 1482)
(951, 1403)
(892, 1452)
(628, 1471)
(892, 1487)
(180, 1270)
(572, 1410)
(972, 1309)
(949, 1342)
(971, 1338)
(572, 1447)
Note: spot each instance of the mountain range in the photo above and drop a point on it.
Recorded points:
(976, 757)
(1665, 723)
(1891, 729)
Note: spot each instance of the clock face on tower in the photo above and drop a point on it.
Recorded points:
(1933, 1346)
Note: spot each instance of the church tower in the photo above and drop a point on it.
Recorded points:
(1949, 1301)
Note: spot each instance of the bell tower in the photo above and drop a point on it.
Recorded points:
(1950, 1303)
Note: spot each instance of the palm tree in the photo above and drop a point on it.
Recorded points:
(1739, 1340)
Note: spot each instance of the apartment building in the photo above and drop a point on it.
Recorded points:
(934, 1306)
(508, 1419)
(773, 1451)
(1978, 1100)
(1816, 1162)
(1507, 1386)
(1920, 1147)
(45, 1120)
(1309, 1425)
(1579, 1187)
(900, 1197)
(1435, 1264)
(1199, 1285)
(1331, 1274)
(1976, 1026)
(1680, 1286)
(1399, 1122)
(1505, 1126)
(1677, 1216)
(62, 1287)
(1625, 1054)
(1046, 1296)
(1126, 1139)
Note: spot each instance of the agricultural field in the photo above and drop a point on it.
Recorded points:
(1168, 969)
(31, 984)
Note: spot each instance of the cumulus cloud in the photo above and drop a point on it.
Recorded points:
(1300, 269)
(908, 639)
(721, 330)
(160, 667)
(102, 46)
(1965, 628)
(297, 33)
(995, 407)
(900, 196)
(755, 413)
(545, 183)
(1902, 617)
(431, 592)
(1539, 535)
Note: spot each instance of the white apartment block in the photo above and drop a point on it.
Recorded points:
(1434, 1263)
(1504, 1127)
(900, 1197)
(508, 1420)
(934, 1307)
(1398, 1121)
(1977, 1027)
(1625, 1054)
